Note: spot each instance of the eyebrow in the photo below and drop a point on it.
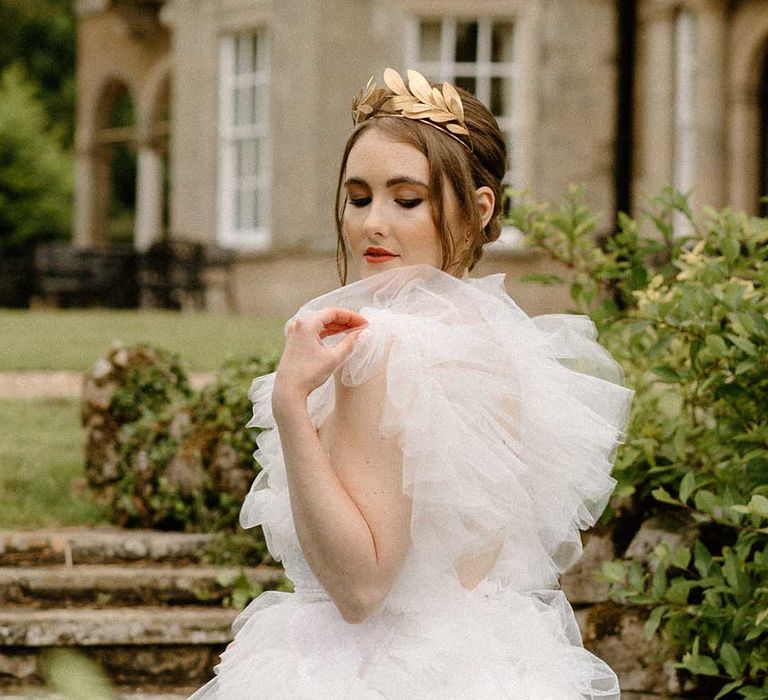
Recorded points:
(401, 180)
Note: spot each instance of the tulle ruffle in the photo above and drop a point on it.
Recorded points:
(508, 427)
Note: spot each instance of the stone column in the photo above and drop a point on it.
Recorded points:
(655, 104)
(711, 92)
(149, 196)
(92, 190)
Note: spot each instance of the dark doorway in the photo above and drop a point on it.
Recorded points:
(122, 204)
(626, 24)
(762, 97)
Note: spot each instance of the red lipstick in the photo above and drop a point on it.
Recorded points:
(379, 255)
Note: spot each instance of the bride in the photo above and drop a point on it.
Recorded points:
(433, 451)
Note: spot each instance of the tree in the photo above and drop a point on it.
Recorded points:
(40, 35)
(35, 169)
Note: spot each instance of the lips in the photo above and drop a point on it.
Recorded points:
(373, 254)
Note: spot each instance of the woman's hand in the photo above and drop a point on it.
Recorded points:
(306, 363)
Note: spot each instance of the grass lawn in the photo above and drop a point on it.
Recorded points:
(40, 456)
(75, 339)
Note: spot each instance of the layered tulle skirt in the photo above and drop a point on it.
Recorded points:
(481, 645)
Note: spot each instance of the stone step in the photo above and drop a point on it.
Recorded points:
(83, 627)
(164, 668)
(103, 585)
(135, 645)
(100, 546)
(35, 692)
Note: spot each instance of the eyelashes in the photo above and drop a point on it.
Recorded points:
(361, 202)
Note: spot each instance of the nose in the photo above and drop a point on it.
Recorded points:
(375, 222)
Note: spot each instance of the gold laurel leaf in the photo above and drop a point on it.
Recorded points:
(400, 101)
(394, 82)
(437, 99)
(453, 100)
(419, 86)
(420, 109)
(439, 116)
(457, 129)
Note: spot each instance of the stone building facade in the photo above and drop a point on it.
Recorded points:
(251, 100)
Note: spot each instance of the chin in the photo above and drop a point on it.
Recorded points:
(367, 269)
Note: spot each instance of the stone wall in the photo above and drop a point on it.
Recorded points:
(615, 632)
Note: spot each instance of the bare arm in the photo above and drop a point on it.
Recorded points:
(350, 515)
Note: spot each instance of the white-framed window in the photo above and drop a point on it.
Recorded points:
(684, 158)
(480, 55)
(244, 141)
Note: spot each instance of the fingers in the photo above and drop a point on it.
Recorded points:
(329, 321)
(346, 345)
(334, 316)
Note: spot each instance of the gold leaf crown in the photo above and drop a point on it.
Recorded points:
(441, 109)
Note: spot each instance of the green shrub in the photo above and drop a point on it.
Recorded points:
(687, 317)
(162, 455)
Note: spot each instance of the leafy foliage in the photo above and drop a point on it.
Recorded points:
(35, 170)
(182, 458)
(687, 317)
(40, 36)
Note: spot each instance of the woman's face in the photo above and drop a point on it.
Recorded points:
(387, 220)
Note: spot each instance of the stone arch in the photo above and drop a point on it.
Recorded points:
(749, 41)
(116, 133)
(96, 136)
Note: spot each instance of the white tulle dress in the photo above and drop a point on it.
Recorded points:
(508, 427)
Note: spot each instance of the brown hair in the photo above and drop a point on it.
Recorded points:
(450, 162)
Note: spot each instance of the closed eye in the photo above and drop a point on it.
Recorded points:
(359, 201)
(409, 203)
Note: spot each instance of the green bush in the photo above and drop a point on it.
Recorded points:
(160, 454)
(687, 317)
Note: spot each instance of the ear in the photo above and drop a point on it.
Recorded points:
(486, 201)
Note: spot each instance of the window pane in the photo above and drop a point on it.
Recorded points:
(501, 97)
(243, 106)
(466, 42)
(501, 42)
(236, 107)
(259, 104)
(246, 54)
(511, 158)
(467, 83)
(247, 158)
(236, 44)
(238, 210)
(256, 198)
(429, 40)
(245, 207)
(254, 54)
